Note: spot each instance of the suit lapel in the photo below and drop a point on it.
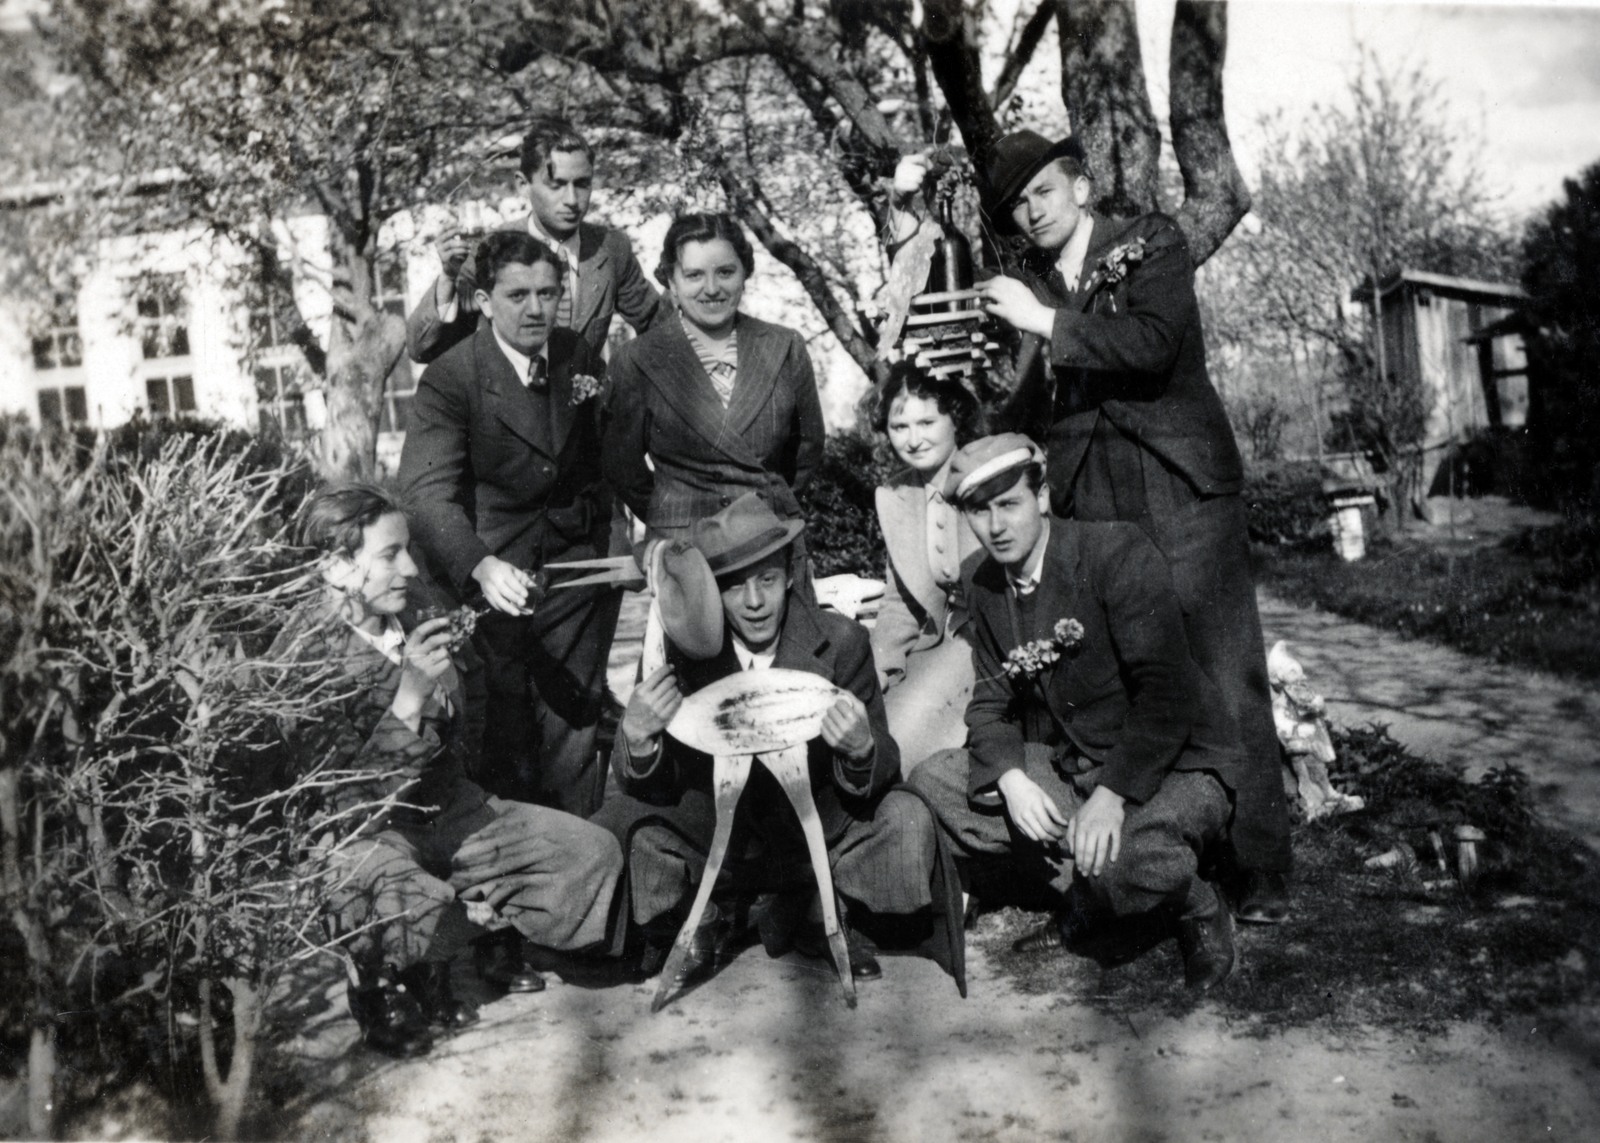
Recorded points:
(506, 397)
(761, 350)
(594, 263)
(800, 641)
(1058, 594)
(903, 513)
(1107, 232)
(679, 378)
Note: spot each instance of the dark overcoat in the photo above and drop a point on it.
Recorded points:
(768, 438)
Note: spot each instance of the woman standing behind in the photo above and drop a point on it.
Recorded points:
(720, 402)
(924, 665)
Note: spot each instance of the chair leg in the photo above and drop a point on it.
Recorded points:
(789, 767)
(730, 772)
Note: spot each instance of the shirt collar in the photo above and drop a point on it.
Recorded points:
(388, 641)
(568, 245)
(933, 486)
(521, 362)
(1077, 249)
(750, 660)
(1028, 581)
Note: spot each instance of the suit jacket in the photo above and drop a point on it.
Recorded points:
(609, 281)
(769, 437)
(492, 468)
(1128, 698)
(424, 769)
(1132, 349)
(812, 640)
(916, 612)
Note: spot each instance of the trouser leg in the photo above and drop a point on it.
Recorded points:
(1207, 547)
(1161, 844)
(384, 897)
(886, 862)
(564, 870)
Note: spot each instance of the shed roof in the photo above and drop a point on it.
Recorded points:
(1503, 292)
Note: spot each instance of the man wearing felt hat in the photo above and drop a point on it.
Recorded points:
(1119, 392)
(882, 846)
(1098, 758)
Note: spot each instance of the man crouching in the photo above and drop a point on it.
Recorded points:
(881, 846)
(442, 839)
(1095, 758)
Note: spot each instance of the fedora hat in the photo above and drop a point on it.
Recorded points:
(743, 533)
(1022, 154)
(691, 608)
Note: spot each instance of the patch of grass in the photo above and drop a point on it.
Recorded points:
(1533, 600)
(1402, 947)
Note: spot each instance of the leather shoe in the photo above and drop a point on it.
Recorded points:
(704, 954)
(1266, 899)
(1067, 928)
(498, 958)
(1207, 946)
(429, 984)
(390, 1019)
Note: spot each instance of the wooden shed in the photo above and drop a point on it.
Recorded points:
(1433, 328)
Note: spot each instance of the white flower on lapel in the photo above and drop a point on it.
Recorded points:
(1035, 655)
(584, 387)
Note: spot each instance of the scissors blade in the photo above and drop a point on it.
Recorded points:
(602, 562)
(630, 579)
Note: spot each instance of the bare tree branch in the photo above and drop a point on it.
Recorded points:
(1022, 55)
(1215, 197)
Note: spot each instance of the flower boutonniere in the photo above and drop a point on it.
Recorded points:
(1114, 265)
(584, 387)
(1028, 660)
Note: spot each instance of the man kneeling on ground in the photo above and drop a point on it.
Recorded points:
(1095, 758)
(443, 840)
(881, 846)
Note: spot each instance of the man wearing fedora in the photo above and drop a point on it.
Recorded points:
(882, 845)
(1097, 759)
(1136, 432)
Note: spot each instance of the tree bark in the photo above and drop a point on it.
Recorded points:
(1022, 55)
(953, 55)
(366, 343)
(1215, 197)
(229, 1095)
(1102, 84)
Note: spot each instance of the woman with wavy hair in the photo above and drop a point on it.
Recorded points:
(924, 663)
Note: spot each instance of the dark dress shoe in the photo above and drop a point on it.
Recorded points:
(1206, 944)
(1266, 899)
(498, 958)
(1067, 928)
(390, 1019)
(863, 965)
(429, 985)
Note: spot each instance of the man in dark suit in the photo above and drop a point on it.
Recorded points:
(1098, 758)
(882, 844)
(1137, 433)
(502, 467)
(600, 274)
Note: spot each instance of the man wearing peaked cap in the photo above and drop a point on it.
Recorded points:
(1098, 760)
(882, 843)
(1120, 394)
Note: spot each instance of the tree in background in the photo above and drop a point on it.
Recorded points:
(1562, 254)
(1355, 194)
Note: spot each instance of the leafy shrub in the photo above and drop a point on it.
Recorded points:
(1285, 504)
(842, 533)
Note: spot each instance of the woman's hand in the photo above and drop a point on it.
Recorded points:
(424, 661)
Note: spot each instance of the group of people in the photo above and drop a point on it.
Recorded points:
(1065, 681)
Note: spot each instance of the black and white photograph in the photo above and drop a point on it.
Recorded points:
(855, 571)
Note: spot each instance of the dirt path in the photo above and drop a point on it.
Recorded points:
(767, 1050)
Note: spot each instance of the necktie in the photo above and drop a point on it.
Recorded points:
(536, 373)
(569, 286)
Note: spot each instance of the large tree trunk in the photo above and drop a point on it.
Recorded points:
(365, 344)
(1214, 195)
(1102, 84)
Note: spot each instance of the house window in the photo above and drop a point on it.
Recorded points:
(56, 344)
(163, 317)
(67, 405)
(280, 396)
(280, 371)
(170, 396)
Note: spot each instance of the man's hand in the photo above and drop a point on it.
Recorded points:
(846, 728)
(909, 175)
(1013, 303)
(1031, 809)
(504, 585)
(1096, 831)
(452, 251)
(653, 703)
(426, 658)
